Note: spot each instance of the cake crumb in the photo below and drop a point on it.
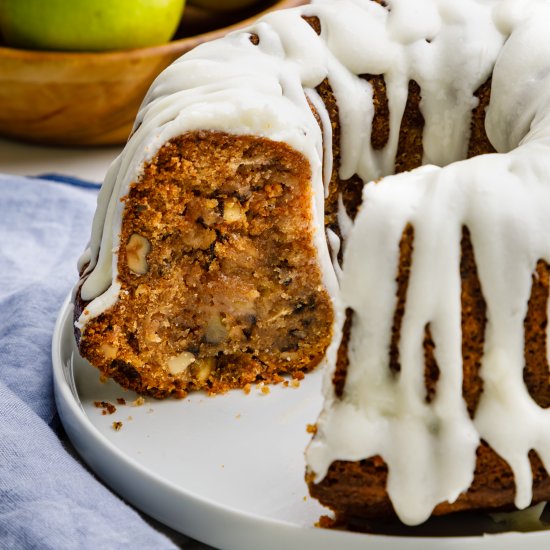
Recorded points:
(108, 408)
(130, 418)
(311, 428)
(247, 389)
(121, 400)
(138, 402)
(117, 426)
(237, 416)
(265, 390)
(295, 383)
(285, 383)
(305, 498)
(298, 375)
(103, 379)
(326, 522)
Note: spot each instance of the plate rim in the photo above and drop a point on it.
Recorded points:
(245, 530)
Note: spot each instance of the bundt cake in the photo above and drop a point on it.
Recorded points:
(306, 189)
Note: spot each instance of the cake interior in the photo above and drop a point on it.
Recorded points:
(221, 284)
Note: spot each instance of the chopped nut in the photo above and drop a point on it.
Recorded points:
(121, 400)
(117, 426)
(215, 330)
(203, 368)
(109, 352)
(233, 212)
(152, 336)
(141, 289)
(137, 249)
(209, 215)
(180, 363)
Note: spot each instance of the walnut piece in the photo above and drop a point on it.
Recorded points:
(137, 249)
(108, 351)
(203, 367)
(181, 362)
(215, 330)
(232, 211)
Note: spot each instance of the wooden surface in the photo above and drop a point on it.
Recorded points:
(89, 98)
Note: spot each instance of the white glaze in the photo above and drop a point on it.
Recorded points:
(450, 48)
(504, 200)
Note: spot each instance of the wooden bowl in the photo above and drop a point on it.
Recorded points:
(68, 98)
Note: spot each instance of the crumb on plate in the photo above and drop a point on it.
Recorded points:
(108, 408)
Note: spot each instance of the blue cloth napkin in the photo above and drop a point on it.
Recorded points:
(48, 499)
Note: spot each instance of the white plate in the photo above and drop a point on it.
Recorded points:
(226, 470)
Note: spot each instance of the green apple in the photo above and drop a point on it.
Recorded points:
(222, 5)
(88, 25)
